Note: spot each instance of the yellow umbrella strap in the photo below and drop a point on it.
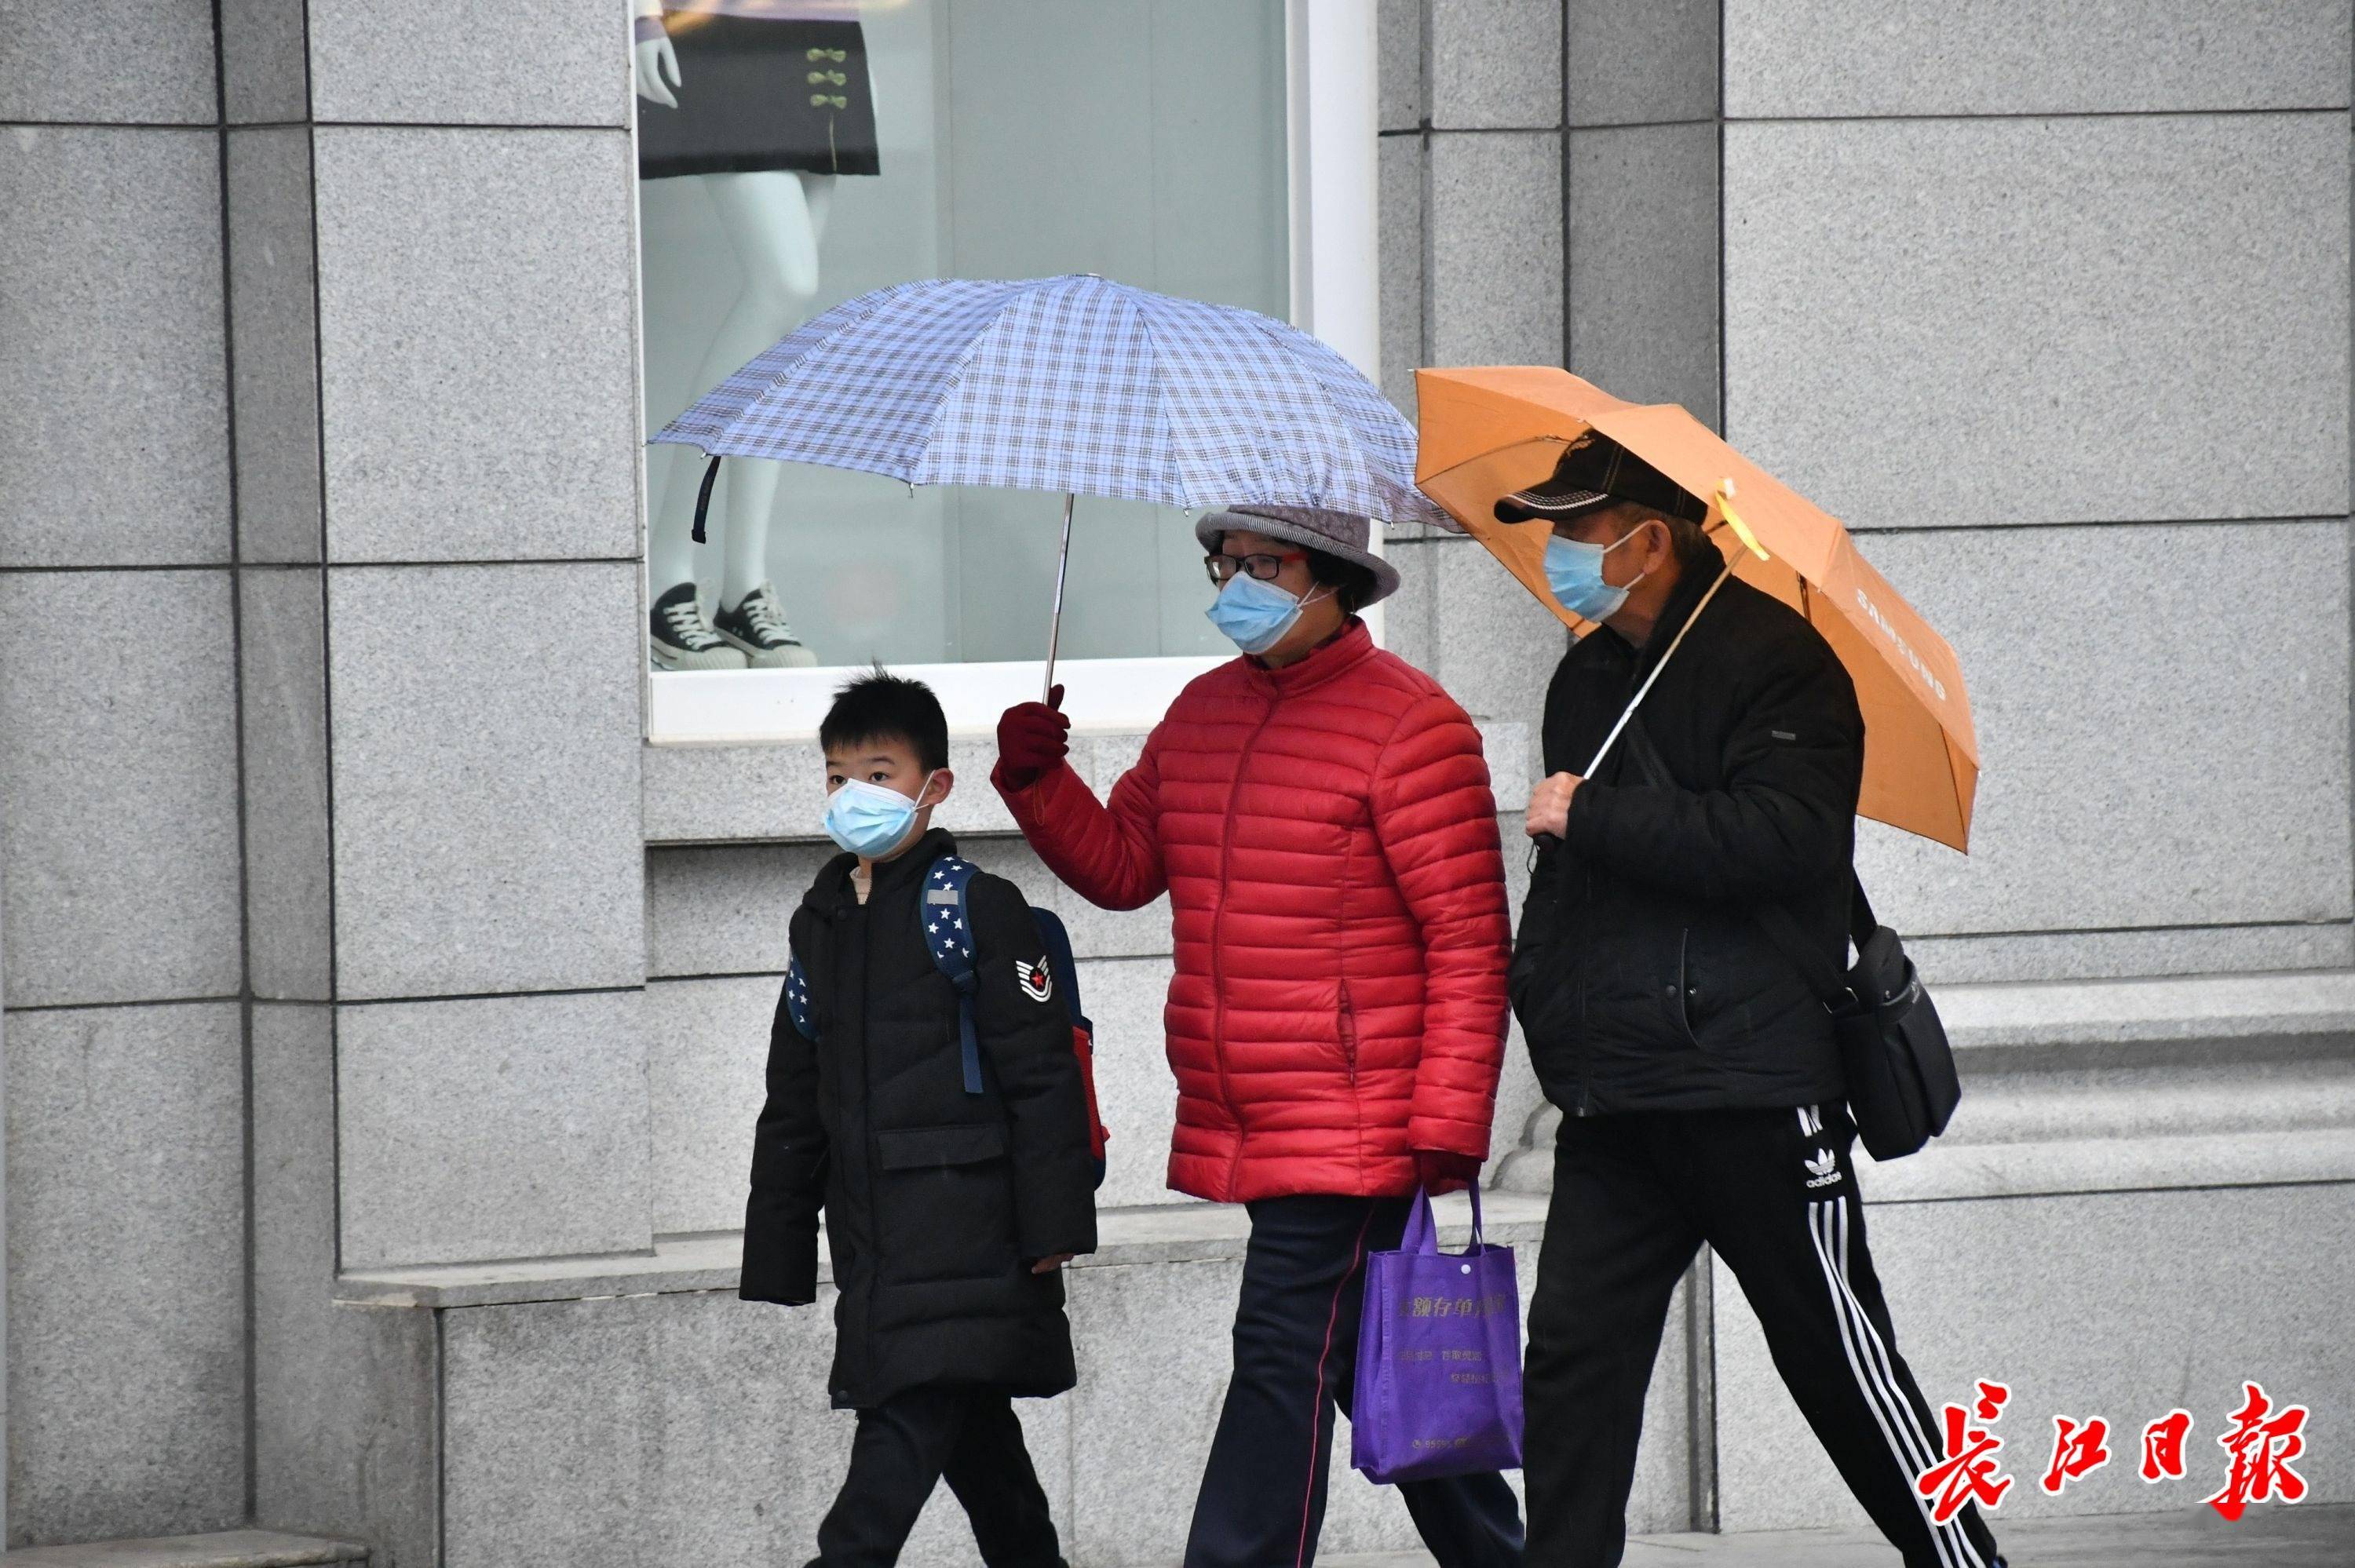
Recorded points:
(1734, 520)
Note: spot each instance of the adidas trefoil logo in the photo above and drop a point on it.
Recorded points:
(1823, 1170)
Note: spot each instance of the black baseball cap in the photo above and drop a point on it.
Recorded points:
(1599, 471)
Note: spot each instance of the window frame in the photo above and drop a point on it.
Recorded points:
(1332, 132)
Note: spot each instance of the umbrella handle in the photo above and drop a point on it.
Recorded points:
(1055, 623)
(703, 498)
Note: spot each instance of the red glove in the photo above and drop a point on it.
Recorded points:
(1033, 738)
(1443, 1170)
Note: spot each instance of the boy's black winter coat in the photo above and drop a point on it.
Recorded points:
(1641, 976)
(937, 1202)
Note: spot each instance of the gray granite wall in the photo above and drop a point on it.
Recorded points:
(126, 1215)
(319, 535)
(433, 295)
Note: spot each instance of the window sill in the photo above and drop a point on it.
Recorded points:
(775, 792)
(783, 706)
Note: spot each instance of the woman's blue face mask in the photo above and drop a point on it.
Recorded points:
(870, 820)
(1255, 615)
(1575, 572)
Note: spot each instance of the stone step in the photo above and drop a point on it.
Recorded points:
(2234, 1017)
(2155, 1102)
(222, 1549)
(2111, 1085)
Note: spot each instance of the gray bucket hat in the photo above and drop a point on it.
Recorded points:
(1343, 535)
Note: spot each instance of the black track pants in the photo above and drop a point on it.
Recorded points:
(1774, 1194)
(966, 1435)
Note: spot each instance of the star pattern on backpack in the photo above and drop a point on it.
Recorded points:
(944, 928)
(797, 998)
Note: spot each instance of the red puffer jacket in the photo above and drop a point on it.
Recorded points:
(1328, 842)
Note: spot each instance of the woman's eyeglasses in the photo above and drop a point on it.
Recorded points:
(1223, 566)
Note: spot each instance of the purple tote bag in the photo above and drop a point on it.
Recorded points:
(1439, 1358)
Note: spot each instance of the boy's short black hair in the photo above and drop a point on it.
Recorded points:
(879, 706)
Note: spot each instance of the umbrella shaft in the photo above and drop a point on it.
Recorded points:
(1609, 740)
(1055, 622)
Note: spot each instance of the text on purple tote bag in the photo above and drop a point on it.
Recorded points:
(1439, 1358)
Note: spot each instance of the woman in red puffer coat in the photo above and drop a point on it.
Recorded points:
(1318, 811)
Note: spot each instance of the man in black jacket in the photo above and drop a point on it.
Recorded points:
(950, 1206)
(1697, 1072)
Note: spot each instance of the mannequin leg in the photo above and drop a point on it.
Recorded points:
(767, 220)
(753, 487)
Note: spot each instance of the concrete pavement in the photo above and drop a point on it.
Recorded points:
(2265, 1537)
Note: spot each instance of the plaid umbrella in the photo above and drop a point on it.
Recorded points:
(1073, 384)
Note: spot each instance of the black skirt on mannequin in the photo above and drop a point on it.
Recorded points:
(763, 94)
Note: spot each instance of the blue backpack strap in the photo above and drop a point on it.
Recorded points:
(797, 1001)
(949, 934)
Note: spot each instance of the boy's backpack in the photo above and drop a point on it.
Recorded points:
(949, 936)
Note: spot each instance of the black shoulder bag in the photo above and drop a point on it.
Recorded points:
(1902, 1084)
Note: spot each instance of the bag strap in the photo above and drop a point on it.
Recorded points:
(1829, 984)
(949, 934)
(1423, 1224)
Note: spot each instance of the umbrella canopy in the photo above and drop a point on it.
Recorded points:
(1491, 431)
(1073, 384)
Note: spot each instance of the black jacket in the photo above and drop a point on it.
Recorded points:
(1641, 977)
(936, 1201)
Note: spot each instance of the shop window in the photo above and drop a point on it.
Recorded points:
(818, 150)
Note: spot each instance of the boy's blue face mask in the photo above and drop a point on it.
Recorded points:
(1255, 615)
(1575, 572)
(870, 820)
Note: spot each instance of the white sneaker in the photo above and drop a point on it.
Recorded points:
(679, 638)
(757, 625)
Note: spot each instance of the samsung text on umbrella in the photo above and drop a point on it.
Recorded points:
(1873, 614)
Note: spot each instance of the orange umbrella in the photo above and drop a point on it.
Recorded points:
(1490, 432)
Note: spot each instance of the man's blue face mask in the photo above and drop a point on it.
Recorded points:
(1255, 615)
(1575, 572)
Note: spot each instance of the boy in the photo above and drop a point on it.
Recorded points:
(948, 1214)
